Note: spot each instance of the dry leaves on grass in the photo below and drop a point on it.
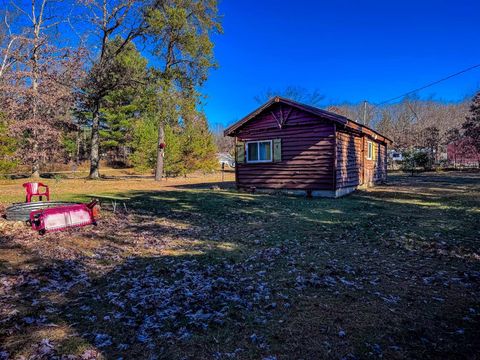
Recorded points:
(226, 276)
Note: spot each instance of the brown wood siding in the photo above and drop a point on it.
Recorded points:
(376, 168)
(353, 166)
(381, 163)
(307, 151)
(349, 160)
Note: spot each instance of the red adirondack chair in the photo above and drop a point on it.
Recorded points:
(33, 189)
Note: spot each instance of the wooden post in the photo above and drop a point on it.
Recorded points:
(160, 152)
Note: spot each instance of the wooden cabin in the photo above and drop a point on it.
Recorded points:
(285, 145)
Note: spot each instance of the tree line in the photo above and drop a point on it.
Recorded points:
(424, 128)
(82, 78)
(121, 79)
(417, 127)
(421, 129)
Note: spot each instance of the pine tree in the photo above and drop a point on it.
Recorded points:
(182, 31)
(471, 126)
(174, 163)
(198, 149)
(8, 146)
(143, 144)
(386, 126)
(189, 147)
(127, 75)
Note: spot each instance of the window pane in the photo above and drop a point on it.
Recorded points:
(252, 152)
(265, 151)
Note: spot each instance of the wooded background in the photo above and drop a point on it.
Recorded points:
(419, 128)
(121, 80)
(75, 84)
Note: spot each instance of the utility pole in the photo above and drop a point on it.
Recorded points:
(364, 112)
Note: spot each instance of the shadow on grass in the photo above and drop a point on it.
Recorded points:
(144, 307)
(427, 215)
(225, 185)
(189, 304)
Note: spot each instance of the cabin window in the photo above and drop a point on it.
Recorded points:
(370, 150)
(259, 151)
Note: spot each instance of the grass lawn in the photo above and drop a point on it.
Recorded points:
(195, 272)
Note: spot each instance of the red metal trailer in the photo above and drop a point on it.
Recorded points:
(61, 218)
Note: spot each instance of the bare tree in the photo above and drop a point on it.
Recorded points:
(225, 144)
(362, 113)
(296, 93)
(37, 89)
(10, 43)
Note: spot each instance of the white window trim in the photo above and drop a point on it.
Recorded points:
(258, 152)
(369, 153)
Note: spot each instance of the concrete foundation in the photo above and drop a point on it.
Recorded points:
(345, 191)
(306, 193)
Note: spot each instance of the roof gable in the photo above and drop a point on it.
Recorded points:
(282, 116)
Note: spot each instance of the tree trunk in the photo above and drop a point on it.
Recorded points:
(77, 147)
(160, 153)
(37, 22)
(35, 169)
(36, 161)
(95, 150)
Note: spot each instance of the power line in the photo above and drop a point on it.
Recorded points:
(428, 85)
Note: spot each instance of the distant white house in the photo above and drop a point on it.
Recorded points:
(227, 159)
(395, 155)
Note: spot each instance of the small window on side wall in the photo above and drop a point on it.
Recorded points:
(370, 150)
(259, 151)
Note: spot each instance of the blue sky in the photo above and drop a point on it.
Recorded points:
(348, 50)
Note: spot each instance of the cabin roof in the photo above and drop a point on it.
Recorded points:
(339, 119)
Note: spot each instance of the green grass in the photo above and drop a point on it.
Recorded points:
(404, 259)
